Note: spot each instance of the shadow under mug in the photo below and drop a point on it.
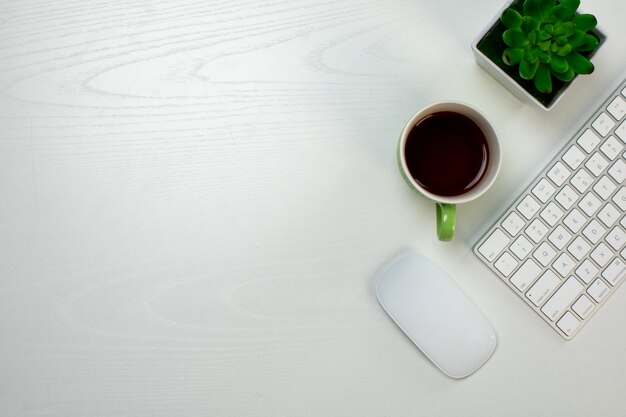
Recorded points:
(446, 205)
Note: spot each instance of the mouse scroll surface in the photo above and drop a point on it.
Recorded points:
(436, 315)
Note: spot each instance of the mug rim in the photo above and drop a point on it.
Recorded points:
(495, 159)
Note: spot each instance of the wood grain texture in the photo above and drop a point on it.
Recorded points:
(196, 196)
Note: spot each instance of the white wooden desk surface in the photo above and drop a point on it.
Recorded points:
(194, 196)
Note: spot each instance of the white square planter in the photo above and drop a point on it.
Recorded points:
(504, 78)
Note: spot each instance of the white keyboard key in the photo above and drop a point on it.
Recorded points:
(536, 230)
(566, 197)
(559, 237)
(589, 204)
(588, 140)
(583, 306)
(618, 171)
(594, 231)
(568, 323)
(544, 254)
(562, 298)
(596, 164)
(513, 223)
(574, 157)
(601, 254)
(543, 287)
(598, 290)
(615, 271)
(586, 271)
(603, 124)
(564, 264)
(494, 245)
(611, 148)
(551, 214)
(543, 190)
(581, 180)
(525, 275)
(575, 220)
(506, 264)
(579, 248)
(621, 131)
(616, 238)
(617, 108)
(521, 247)
(604, 187)
(620, 198)
(528, 207)
(609, 215)
(558, 174)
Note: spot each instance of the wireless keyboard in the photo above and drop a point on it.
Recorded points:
(560, 245)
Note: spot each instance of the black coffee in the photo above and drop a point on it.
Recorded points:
(447, 153)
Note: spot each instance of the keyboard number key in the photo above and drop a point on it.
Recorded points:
(582, 180)
(528, 207)
(536, 230)
(506, 264)
(513, 223)
(566, 197)
(611, 148)
(621, 131)
(521, 247)
(596, 164)
(603, 124)
(558, 174)
(543, 190)
(551, 214)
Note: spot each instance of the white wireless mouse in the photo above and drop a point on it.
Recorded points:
(436, 315)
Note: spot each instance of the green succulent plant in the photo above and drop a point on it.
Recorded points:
(546, 39)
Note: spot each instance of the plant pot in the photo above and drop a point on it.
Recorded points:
(488, 48)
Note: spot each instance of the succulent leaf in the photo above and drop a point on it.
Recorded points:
(558, 64)
(577, 39)
(546, 6)
(564, 50)
(514, 38)
(529, 24)
(512, 56)
(565, 10)
(531, 8)
(527, 69)
(511, 19)
(566, 76)
(579, 63)
(542, 79)
(544, 36)
(584, 22)
(564, 29)
(591, 43)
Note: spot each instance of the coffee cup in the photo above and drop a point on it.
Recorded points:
(449, 153)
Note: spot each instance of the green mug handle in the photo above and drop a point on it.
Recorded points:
(446, 220)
